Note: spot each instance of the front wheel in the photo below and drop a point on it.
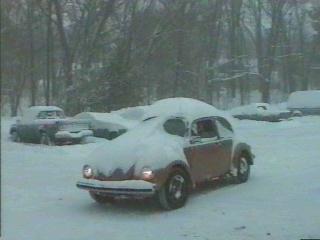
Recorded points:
(100, 198)
(243, 169)
(174, 193)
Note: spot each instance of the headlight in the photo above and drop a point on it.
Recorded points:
(147, 174)
(87, 171)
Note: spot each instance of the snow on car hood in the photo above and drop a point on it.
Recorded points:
(145, 146)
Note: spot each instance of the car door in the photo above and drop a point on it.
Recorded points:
(31, 128)
(22, 128)
(225, 143)
(202, 150)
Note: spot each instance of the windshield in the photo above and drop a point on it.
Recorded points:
(51, 114)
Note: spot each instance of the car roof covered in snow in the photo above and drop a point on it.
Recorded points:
(44, 108)
(132, 113)
(304, 99)
(32, 112)
(111, 118)
(187, 107)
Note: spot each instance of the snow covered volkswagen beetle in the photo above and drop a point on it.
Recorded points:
(180, 142)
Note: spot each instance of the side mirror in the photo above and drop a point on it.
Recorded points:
(195, 139)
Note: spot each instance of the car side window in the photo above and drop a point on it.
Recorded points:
(205, 128)
(175, 126)
(224, 128)
(42, 115)
(50, 114)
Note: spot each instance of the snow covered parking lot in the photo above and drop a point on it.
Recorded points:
(280, 201)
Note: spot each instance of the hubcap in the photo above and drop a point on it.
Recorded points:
(243, 165)
(176, 186)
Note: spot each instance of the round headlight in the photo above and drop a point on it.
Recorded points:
(87, 171)
(147, 174)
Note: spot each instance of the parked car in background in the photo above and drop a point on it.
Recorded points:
(181, 142)
(113, 124)
(260, 112)
(48, 125)
(106, 125)
(304, 102)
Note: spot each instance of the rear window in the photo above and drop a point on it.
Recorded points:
(224, 128)
(225, 123)
(51, 114)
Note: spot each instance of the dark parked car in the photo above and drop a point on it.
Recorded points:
(106, 125)
(48, 125)
(181, 142)
(260, 112)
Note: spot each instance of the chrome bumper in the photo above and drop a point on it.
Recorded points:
(128, 188)
(73, 135)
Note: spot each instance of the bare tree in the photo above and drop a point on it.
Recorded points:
(30, 26)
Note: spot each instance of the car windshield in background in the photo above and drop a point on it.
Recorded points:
(51, 114)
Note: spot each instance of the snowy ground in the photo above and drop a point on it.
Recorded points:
(280, 201)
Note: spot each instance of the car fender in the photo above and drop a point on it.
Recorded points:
(242, 148)
(183, 165)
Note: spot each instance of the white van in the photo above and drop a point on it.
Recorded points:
(307, 102)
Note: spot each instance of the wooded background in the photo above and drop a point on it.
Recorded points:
(100, 55)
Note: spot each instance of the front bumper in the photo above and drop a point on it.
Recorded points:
(127, 188)
(73, 135)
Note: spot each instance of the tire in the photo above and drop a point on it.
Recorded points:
(84, 140)
(296, 113)
(46, 140)
(243, 169)
(15, 136)
(101, 199)
(174, 193)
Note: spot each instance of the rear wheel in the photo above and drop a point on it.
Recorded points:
(174, 193)
(45, 139)
(85, 140)
(100, 198)
(15, 136)
(243, 169)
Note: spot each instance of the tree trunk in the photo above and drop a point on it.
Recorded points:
(276, 18)
(49, 53)
(211, 48)
(67, 59)
(234, 39)
(33, 85)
